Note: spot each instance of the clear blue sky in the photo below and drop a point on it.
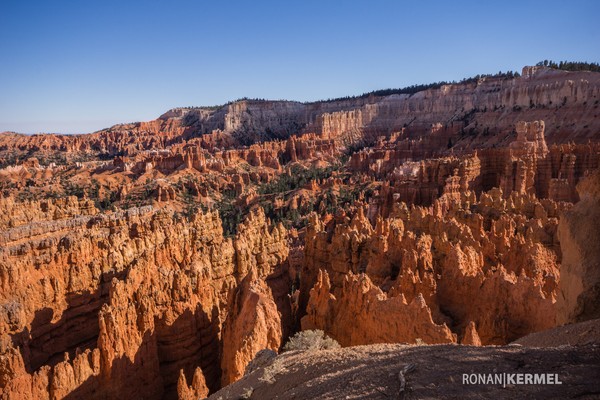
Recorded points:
(79, 66)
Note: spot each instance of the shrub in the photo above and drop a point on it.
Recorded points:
(246, 394)
(310, 340)
(297, 177)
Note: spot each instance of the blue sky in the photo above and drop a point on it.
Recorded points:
(79, 66)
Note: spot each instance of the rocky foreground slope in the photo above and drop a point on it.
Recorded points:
(396, 371)
(155, 260)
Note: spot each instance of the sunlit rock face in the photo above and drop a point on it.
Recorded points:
(109, 306)
(476, 114)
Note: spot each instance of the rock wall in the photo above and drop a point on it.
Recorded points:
(500, 253)
(363, 314)
(254, 324)
(579, 234)
(483, 112)
(477, 114)
(122, 305)
(526, 165)
(498, 245)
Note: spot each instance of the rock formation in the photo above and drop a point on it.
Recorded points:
(487, 109)
(365, 315)
(253, 324)
(197, 390)
(499, 247)
(579, 235)
(159, 259)
(137, 298)
(437, 372)
(505, 260)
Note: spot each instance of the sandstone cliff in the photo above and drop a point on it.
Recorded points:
(492, 250)
(119, 306)
(579, 234)
(253, 324)
(499, 247)
(474, 114)
(365, 315)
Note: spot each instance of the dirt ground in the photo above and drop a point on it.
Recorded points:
(587, 332)
(432, 372)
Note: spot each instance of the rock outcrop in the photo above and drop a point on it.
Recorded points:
(121, 306)
(579, 235)
(375, 372)
(475, 113)
(500, 251)
(365, 315)
(197, 390)
(526, 165)
(253, 324)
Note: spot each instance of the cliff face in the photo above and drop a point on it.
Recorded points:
(265, 156)
(364, 314)
(492, 104)
(127, 138)
(476, 114)
(97, 307)
(155, 300)
(579, 234)
(254, 324)
(525, 165)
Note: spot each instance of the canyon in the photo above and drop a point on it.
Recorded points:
(157, 259)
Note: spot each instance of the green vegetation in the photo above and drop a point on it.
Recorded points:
(419, 88)
(297, 177)
(45, 159)
(25, 195)
(328, 202)
(9, 159)
(570, 65)
(103, 198)
(288, 217)
(231, 215)
(310, 340)
(73, 189)
(107, 203)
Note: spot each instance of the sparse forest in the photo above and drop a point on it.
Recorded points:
(570, 65)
